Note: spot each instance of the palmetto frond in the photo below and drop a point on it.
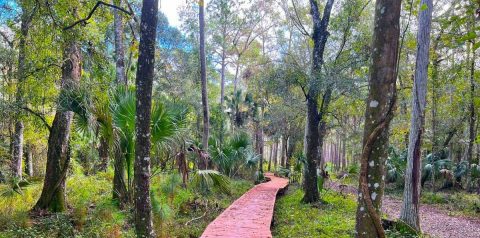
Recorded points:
(206, 180)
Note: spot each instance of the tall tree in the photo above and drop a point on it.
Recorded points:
(472, 117)
(119, 48)
(58, 154)
(144, 82)
(223, 20)
(26, 19)
(203, 75)
(319, 37)
(411, 193)
(379, 112)
(120, 192)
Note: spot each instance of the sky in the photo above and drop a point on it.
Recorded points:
(170, 9)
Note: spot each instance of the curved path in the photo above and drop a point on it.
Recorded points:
(434, 222)
(251, 214)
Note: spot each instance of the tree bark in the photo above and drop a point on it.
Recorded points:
(103, 152)
(411, 193)
(58, 154)
(19, 127)
(270, 160)
(320, 36)
(144, 82)
(259, 142)
(222, 79)
(379, 112)
(120, 76)
(18, 149)
(203, 75)
(290, 150)
(472, 118)
(120, 192)
(284, 151)
(29, 162)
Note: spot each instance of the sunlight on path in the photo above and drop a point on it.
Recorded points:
(250, 215)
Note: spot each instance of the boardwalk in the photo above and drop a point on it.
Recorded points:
(250, 215)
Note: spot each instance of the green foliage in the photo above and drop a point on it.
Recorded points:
(236, 153)
(207, 181)
(401, 230)
(294, 219)
(396, 165)
(353, 168)
(458, 203)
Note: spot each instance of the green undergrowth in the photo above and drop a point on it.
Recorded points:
(455, 203)
(92, 213)
(333, 218)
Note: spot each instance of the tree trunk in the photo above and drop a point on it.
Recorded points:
(312, 135)
(270, 160)
(58, 154)
(275, 152)
(259, 142)
(103, 152)
(203, 76)
(144, 82)
(222, 79)
(284, 151)
(120, 76)
(379, 112)
(120, 192)
(472, 118)
(290, 150)
(18, 149)
(29, 161)
(411, 193)
(19, 127)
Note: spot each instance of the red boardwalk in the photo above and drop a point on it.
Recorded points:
(250, 215)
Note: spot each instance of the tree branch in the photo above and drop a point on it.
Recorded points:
(40, 116)
(84, 20)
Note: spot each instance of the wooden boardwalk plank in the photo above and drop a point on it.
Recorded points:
(250, 215)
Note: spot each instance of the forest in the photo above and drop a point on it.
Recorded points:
(240, 118)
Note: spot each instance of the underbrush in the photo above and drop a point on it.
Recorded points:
(333, 218)
(178, 212)
(456, 203)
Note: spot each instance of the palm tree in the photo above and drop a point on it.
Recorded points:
(113, 119)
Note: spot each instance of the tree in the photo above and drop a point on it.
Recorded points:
(203, 75)
(26, 19)
(472, 117)
(411, 192)
(144, 82)
(58, 155)
(120, 192)
(119, 48)
(223, 19)
(379, 112)
(319, 37)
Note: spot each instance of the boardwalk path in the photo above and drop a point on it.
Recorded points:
(250, 215)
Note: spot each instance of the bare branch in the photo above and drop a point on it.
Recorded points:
(84, 20)
(39, 116)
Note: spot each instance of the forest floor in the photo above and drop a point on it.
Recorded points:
(435, 221)
(92, 213)
(250, 215)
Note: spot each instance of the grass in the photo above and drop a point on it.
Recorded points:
(458, 203)
(335, 218)
(92, 213)
(454, 202)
